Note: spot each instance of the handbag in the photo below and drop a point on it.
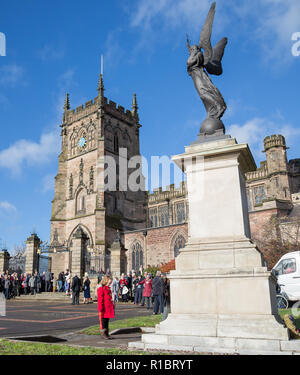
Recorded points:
(124, 290)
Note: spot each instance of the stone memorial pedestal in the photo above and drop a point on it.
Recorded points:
(223, 299)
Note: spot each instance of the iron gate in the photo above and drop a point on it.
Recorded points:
(96, 264)
(44, 263)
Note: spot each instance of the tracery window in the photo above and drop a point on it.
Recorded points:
(164, 215)
(179, 244)
(180, 212)
(153, 217)
(137, 256)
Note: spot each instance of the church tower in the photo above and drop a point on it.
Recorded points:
(87, 211)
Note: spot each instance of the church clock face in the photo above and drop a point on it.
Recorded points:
(82, 142)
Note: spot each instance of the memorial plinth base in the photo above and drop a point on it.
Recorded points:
(230, 309)
(223, 299)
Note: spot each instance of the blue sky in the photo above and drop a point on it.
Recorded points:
(54, 47)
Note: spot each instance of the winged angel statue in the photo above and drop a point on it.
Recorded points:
(198, 65)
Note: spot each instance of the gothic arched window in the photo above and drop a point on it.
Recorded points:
(153, 217)
(137, 256)
(80, 202)
(180, 213)
(164, 216)
(179, 244)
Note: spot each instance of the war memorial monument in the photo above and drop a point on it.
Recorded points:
(223, 298)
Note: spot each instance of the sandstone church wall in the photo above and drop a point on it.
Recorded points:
(157, 245)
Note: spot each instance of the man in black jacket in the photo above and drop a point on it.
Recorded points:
(76, 285)
(129, 285)
(158, 289)
(47, 281)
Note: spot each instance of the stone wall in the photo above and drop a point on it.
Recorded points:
(157, 245)
(59, 262)
(4, 260)
(258, 220)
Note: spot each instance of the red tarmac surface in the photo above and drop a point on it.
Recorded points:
(52, 318)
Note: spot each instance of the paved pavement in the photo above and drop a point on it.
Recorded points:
(31, 318)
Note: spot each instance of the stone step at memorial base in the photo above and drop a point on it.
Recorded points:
(216, 345)
(47, 296)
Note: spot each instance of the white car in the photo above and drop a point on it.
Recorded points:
(287, 270)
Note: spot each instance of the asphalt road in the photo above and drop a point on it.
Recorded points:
(24, 318)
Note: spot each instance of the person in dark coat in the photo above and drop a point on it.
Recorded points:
(138, 290)
(76, 285)
(166, 298)
(61, 282)
(86, 290)
(129, 286)
(158, 289)
(47, 281)
(28, 276)
(37, 282)
(16, 285)
(105, 305)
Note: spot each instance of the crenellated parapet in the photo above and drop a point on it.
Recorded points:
(170, 193)
(259, 174)
(110, 107)
(274, 141)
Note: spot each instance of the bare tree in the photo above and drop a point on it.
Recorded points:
(280, 235)
(18, 250)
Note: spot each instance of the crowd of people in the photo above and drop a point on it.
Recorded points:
(139, 288)
(14, 284)
(142, 289)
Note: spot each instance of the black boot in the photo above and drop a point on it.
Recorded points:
(107, 334)
(104, 334)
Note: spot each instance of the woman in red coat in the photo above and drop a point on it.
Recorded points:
(147, 289)
(105, 305)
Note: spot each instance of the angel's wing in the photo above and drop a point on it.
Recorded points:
(214, 65)
(205, 35)
(218, 50)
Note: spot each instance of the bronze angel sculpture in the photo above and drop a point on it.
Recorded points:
(198, 65)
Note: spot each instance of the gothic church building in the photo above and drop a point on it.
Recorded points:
(94, 229)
